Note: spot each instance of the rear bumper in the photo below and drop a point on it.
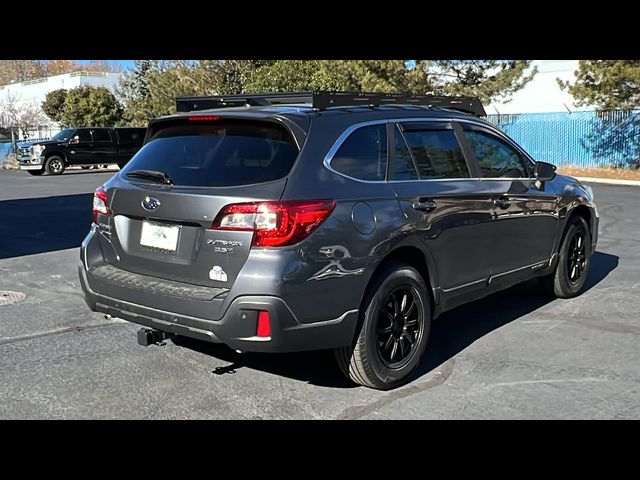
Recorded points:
(237, 327)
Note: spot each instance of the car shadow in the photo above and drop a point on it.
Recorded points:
(450, 333)
(315, 367)
(455, 330)
(37, 225)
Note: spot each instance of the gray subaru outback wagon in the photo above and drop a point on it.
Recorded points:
(328, 220)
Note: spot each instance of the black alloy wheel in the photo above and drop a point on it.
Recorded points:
(399, 326)
(392, 331)
(577, 255)
(574, 257)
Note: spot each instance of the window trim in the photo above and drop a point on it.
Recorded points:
(454, 121)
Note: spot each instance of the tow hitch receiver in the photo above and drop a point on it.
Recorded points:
(147, 337)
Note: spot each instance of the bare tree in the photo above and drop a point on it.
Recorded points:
(24, 116)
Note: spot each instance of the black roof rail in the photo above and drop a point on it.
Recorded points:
(321, 100)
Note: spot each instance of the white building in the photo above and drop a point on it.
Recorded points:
(33, 92)
(542, 94)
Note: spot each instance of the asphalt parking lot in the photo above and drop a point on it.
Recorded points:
(512, 355)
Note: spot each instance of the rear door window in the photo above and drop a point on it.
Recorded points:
(101, 136)
(218, 153)
(436, 151)
(130, 135)
(363, 155)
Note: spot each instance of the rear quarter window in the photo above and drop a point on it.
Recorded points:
(363, 154)
(219, 153)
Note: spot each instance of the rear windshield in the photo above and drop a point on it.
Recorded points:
(218, 154)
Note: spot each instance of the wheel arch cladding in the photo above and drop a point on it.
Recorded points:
(581, 211)
(413, 257)
(584, 212)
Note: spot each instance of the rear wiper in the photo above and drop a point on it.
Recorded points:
(151, 175)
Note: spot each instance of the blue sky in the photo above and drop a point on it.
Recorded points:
(123, 63)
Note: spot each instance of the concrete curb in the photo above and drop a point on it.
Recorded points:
(610, 181)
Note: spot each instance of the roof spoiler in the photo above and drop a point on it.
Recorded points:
(321, 100)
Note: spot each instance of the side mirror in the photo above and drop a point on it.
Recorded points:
(74, 140)
(545, 172)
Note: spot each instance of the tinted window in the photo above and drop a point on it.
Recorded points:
(363, 154)
(436, 153)
(64, 135)
(83, 135)
(495, 157)
(131, 135)
(404, 169)
(218, 154)
(101, 135)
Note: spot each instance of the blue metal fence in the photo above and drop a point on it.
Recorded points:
(585, 139)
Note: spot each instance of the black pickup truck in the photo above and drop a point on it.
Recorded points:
(83, 147)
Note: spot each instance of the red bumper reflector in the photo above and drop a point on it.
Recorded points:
(264, 324)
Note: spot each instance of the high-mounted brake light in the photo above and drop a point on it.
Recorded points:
(275, 224)
(203, 118)
(100, 204)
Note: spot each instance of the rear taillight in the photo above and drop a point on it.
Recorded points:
(275, 224)
(100, 202)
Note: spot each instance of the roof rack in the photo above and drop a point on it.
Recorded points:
(190, 104)
(321, 100)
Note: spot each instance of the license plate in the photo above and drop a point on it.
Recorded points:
(161, 236)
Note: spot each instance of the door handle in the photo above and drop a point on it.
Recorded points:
(424, 205)
(502, 202)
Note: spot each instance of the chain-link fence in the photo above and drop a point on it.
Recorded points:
(585, 139)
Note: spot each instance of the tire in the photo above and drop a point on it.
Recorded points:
(574, 260)
(371, 361)
(36, 173)
(54, 165)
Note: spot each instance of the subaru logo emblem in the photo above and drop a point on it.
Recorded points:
(150, 203)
